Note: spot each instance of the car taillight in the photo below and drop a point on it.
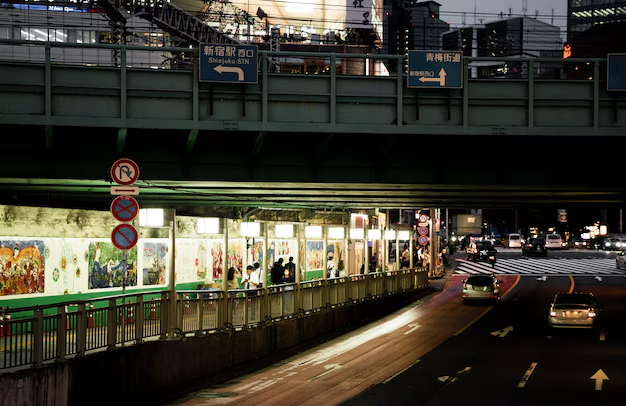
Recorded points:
(552, 314)
(591, 315)
(530, 245)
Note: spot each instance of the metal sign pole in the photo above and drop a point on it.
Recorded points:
(124, 274)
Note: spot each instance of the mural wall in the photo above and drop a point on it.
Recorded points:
(22, 267)
(314, 255)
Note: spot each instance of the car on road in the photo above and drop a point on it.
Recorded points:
(613, 244)
(481, 251)
(620, 259)
(578, 243)
(514, 241)
(534, 246)
(481, 288)
(554, 242)
(573, 310)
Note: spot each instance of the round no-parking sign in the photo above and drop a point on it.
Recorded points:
(124, 236)
(423, 240)
(124, 208)
(422, 230)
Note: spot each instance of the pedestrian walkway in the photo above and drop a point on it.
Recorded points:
(541, 266)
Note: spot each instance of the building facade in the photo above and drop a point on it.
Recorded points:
(584, 14)
(411, 25)
(513, 37)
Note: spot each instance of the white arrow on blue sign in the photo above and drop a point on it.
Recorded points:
(439, 69)
(229, 63)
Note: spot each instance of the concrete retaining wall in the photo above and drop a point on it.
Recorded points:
(156, 371)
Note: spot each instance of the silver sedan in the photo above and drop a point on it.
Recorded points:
(573, 310)
(481, 287)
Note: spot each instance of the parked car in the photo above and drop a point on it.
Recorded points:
(481, 288)
(534, 246)
(573, 310)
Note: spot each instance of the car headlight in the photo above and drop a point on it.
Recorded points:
(552, 314)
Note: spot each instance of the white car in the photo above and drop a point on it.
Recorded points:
(553, 242)
(515, 241)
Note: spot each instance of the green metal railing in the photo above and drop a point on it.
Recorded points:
(56, 332)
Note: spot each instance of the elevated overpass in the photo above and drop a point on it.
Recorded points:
(312, 141)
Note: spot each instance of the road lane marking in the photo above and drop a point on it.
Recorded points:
(413, 326)
(489, 308)
(572, 284)
(399, 372)
(527, 375)
(473, 321)
(599, 377)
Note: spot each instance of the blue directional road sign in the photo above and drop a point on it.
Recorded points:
(616, 72)
(229, 63)
(440, 69)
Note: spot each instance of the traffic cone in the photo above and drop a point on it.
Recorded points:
(131, 315)
(7, 322)
(1, 323)
(152, 315)
(187, 307)
(90, 315)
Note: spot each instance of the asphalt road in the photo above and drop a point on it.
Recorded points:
(508, 357)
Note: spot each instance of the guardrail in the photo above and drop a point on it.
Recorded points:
(143, 57)
(55, 332)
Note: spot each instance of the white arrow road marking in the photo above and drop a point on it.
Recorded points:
(599, 377)
(602, 335)
(543, 278)
(466, 369)
(503, 332)
(329, 368)
(414, 327)
(441, 79)
(230, 69)
(527, 375)
(443, 378)
(599, 278)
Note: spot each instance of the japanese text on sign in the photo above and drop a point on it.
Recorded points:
(454, 57)
(424, 73)
(217, 53)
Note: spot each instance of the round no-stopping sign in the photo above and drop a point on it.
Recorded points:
(124, 236)
(423, 240)
(124, 208)
(422, 230)
(423, 218)
(125, 172)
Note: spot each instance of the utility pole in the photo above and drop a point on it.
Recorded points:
(621, 223)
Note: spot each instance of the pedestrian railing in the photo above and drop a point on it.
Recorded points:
(55, 332)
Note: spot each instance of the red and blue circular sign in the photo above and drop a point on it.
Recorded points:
(125, 172)
(124, 236)
(124, 208)
(422, 230)
(423, 240)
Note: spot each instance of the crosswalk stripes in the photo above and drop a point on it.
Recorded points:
(541, 266)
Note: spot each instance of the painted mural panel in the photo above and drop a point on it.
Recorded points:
(235, 253)
(64, 258)
(255, 253)
(191, 260)
(106, 265)
(154, 263)
(216, 260)
(314, 255)
(22, 267)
